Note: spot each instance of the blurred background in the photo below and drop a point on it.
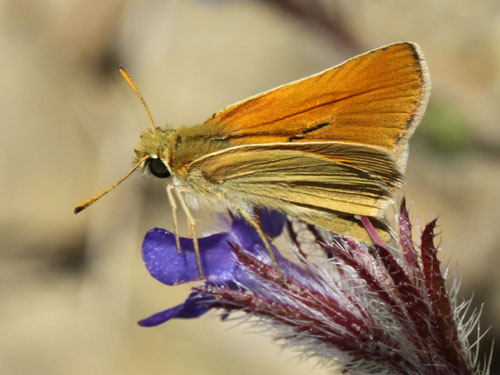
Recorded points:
(73, 287)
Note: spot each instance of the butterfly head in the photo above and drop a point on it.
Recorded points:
(152, 151)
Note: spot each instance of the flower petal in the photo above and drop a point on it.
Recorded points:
(272, 223)
(159, 252)
(194, 306)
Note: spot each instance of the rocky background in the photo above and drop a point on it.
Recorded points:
(72, 288)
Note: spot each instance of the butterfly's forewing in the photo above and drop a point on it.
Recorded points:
(374, 99)
(328, 177)
(326, 147)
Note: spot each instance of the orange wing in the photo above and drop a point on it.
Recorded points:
(376, 98)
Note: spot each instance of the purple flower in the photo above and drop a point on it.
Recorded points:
(219, 262)
(369, 309)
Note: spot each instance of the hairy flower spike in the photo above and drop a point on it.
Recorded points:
(370, 309)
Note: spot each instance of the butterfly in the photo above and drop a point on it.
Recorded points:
(324, 149)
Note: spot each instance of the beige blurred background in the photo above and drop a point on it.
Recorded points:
(73, 287)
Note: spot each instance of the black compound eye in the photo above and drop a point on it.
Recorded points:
(157, 168)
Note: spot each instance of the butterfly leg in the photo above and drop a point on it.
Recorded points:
(171, 199)
(260, 232)
(192, 229)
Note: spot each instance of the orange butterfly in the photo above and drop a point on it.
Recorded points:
(322, 149)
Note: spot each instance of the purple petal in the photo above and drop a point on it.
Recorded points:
(272, 222)
(194, 306)
(159, 253)
(245, 233)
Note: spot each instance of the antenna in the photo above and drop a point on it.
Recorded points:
(127, 78)
(89, 201)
